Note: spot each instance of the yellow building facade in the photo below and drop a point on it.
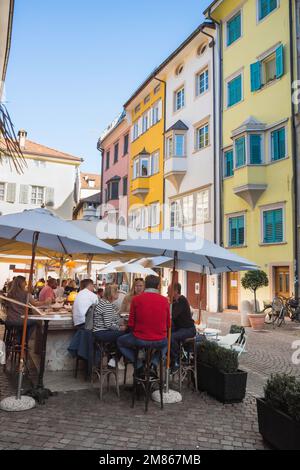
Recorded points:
(145, 111)
(257, 146)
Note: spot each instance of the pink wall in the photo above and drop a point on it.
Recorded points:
(116, 169)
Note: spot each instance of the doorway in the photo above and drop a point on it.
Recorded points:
(232, 291)
(196, 289)
(282, 281)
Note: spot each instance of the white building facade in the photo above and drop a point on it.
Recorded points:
(189, 165)
(49, 179)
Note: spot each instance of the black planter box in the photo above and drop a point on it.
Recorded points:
(225, 387)
(277, 428)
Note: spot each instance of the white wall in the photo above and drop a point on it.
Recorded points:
(60, 177)
(200, 164)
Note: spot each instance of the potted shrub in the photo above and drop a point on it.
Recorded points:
(279, 412)
(253, 280)
(218, 373)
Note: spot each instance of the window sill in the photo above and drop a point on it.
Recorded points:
(272, 244)
(268, 85)
(230, 247)
(228, 108)
(201, 150)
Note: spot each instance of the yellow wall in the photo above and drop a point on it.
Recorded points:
(152, 140)
(269, 105)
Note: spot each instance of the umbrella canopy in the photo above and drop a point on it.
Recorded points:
(164, 262)
(188, 248)
(134, 268)
(54, 233)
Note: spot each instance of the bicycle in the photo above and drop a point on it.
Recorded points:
(292, 308)
(275, 311)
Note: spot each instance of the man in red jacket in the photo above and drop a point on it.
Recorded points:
(149, 321)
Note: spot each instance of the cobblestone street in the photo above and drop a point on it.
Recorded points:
(78, 420)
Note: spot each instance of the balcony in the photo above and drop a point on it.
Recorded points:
(250, 183)
(140, 187)
(175, 170)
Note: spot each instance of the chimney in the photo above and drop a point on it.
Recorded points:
(22, 134)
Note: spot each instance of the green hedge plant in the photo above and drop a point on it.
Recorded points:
(282, 392)
(211, 354)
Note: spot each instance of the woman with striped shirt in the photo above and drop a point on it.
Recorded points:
(107, 321)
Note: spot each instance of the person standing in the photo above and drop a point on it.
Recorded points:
(183, 326)
(138, 288)
(149, 321)
(83, 301)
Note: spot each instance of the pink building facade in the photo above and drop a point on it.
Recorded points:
(114, 145)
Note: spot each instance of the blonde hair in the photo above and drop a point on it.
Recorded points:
(109, 291)
(132, 290)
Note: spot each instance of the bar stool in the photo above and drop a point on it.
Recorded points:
(146, 381)
(12, 343)
(188, 362)
(106, 351)
(79, 359)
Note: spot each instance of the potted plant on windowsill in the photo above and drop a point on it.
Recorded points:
(218, 373)
(253, 280)
(279, 412)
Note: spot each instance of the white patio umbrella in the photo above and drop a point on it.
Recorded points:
(134, 268)
(42, 228)
(182, 246)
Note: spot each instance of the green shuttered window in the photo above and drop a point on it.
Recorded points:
(273, 226)
(255, 149)
(255, 71)
(234, 90)
(237, 231)
(228, 163)
(266, 7)
(278, 144)
(234, 29)
(240, 152)
(265, 71)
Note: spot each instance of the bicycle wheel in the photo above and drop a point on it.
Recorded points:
(281, 317)
(277, 306)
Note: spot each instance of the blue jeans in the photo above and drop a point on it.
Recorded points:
(109, 336)
(128, 343)
(180, 335)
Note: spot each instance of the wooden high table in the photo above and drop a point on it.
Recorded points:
(39, 392)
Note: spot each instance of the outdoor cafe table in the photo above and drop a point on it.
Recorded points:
(210, 332)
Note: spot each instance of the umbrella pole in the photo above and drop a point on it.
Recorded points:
(89, 265)
(169, 396)
(170, 327)
(61, 267)
(18, 402)
(22, 355)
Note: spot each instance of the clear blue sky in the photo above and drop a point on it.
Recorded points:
(73, 64)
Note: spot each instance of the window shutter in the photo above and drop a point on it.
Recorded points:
(240, 152)
(159, 110)
(278, 225)
(24, 190)
(140, 126)
(279, 62)
(49, 198)
(11, 192)
(241, 230)
(281, 143)
(255, 149)
(255, 71)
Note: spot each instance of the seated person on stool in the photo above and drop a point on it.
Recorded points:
(183, 326)
(149, 321)
(107, 325)
(84, 300)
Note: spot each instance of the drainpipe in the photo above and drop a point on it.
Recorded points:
(294, 153)
(101, 150)
(212, 45)
(220, 175)
(164, 149)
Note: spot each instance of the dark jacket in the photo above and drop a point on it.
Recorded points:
(181, 314)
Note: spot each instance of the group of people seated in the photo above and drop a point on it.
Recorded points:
(148, 322)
